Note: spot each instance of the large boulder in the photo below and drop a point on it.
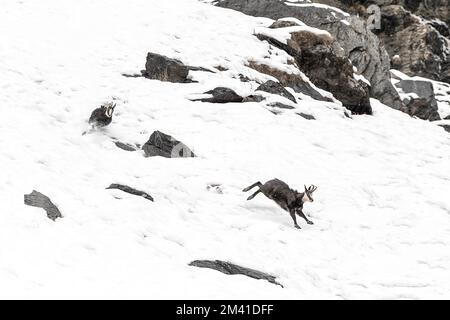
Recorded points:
(162, 68)
(423, 103)
(360, 45)
(164, 145)
(321, 58)
(419, 48)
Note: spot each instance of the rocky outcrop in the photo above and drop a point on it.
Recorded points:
(162, 68)
(419, 48)
(161, 144)
(130, 190)
(360, 45)
(423, 104)
(232, 269)
(324, 63)
(295, 81)
(276, 88)
(37, 199)
(221, 95)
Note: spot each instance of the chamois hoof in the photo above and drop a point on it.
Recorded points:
(298, 227)
(310, 222)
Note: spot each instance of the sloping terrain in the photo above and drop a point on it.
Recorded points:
(381, 211)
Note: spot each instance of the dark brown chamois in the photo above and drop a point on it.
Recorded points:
(287, 198)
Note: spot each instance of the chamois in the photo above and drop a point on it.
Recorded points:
(290, 200)
(101, 117)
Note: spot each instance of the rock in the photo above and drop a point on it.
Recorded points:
(125, 146)
(423, 51)
(447, 117)
(306, 116)
(37, 199)
(221, 95)
(446, 127)
(295, 81)
(254, 98)
(161, 144)
(425, 106)
(360, 45)
(130, 190)
(276, 88)
(325, 65)
(233, 269)
(162, 68)
(281, 106)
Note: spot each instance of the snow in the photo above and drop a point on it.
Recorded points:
(381, 211)
(318, 5)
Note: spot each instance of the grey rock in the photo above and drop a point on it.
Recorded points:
(162, 68)
(306, 116)
(125, 146)
(425, 107)
(446, 127)
(233, 269)
(221, 95)
(360, 45)
(37, 199)
(161, 144)
(281, 106)
(254, 98)
(276, 88)
(130, 190)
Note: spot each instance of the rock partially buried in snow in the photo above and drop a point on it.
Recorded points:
(37, 199)
(164, 145)
(276, 88)
(424, 106)
(233, 269)
(130, 190)
(162, 68)
(125, 146)
(446, 127)
(306, 116)
(221, 95)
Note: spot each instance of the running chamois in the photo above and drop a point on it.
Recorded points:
(287, 198)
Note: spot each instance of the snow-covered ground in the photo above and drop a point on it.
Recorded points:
(382, 209)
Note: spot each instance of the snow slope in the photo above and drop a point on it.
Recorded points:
(382, 210)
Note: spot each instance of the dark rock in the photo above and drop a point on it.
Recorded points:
(425, 107)
(281, 105)
(162, 68)
(291, 80)
(125, 146)
(232, 269)
(276, 88)
(37, 199)
(161, 144)
(306, 116)
(130, 190)
(221, 95)
(446, 127)
(254, 98)
(360, 45)
(319, 58)
(447, 117)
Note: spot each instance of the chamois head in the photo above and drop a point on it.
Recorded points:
(307, 196)
(108, 108)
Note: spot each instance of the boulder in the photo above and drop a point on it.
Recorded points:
(162, 68)
(37, 199)
(130, 190)
(221, 95)
(233, 269)
(306, 116)
(425, 105)
(320, 57)
(446, 127)
(276, 88)
(161, 144)
(360, 45)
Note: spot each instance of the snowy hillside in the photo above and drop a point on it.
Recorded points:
(381, 212)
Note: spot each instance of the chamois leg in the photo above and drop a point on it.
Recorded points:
(301, 214)
(292, 213)
(259, 184)
(253, 195)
